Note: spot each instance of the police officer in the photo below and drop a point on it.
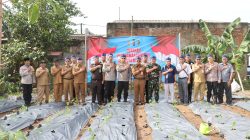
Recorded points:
(145, 64)
(153, 71)
(123, 75)
(190, 85)
(67, 81)
(109, 69)
(79, 71)
(139, 73)
(56, 71)
(42, 75)
(96, 80)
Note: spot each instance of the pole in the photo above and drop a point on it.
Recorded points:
(81, 27)
(132, 26)
(119, 13)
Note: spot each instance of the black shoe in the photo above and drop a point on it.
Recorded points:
(125, 101)
(119, 100)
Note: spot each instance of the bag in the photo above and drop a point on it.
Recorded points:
(235, 86)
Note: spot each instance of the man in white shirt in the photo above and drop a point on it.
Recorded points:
(27, 74)
(184, 70)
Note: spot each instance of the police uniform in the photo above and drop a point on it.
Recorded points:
(139, 73)
(57, 82)
(67, 82)
(42, 76)
(153, 82)
(79, 81)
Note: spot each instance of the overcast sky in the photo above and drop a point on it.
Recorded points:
(100, 12)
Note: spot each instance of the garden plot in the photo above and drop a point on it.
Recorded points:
(21, 120)
(8, 105)
(233, 126)
(64, 125)
(167, 123)
(115, 122)
(244, 105)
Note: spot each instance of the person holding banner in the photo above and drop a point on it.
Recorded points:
(109, 69)
(79, 81)
(139, 73)
(184, 70)
(123, 76)
(169, 72)
(153, 71)
(145, 64)
(96, 80)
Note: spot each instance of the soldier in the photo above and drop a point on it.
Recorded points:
(56, 71)
(123, 75)
(79, 81)
(139, 73)
(190, 85)
(227, 74)
(145, 64)
(109, 78)
(169, 72)
(103, 60)
(213, 77)
(199, 79)
(96, 80)
(153, 71)
(67, 76)
(183, 79)
(27, 74)
(42, 75)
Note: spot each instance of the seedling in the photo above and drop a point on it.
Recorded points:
(233, 125)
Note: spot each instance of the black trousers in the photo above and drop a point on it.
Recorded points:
(123, 86)
(96, 90)
(102, 93)
(27, 90)
(212, 86)
(109, 87)
(190, 86)
(224, 87)
(146, 92)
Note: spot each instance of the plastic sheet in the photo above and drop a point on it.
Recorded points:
(233, 126)
(8, 105)
(64, 125)
(244, 105)
(22, 120)
(168, 123)
(115, 122)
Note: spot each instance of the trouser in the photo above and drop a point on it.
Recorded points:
(139, 87)
(96, 90)
(146, 91)
(80, 92)
(190, 86)
(102, 93)
(27, 90)
(169, 88)
(42, 90)
(58, 92)
(199, 87)
(153, 86)
(123, 86)
(224, 87)
(68, 90)
(73, 90)
(212, 86)
(183, 90)
(109, 87)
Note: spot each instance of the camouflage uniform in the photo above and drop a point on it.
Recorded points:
(153, 83)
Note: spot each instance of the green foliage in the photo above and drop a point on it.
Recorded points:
(12, 135)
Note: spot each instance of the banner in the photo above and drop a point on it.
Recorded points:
(134, 46)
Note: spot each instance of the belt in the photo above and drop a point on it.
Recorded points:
(68, 78)
(182, 77)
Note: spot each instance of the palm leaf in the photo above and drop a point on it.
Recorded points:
(227, 34)
(198, 49)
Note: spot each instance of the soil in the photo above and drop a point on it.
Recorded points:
(237, 110)
(144, 131)
(196, 120)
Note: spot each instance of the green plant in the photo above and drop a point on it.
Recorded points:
(12, 135)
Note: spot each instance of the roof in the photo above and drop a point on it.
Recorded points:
(77, 36)
(167, 21)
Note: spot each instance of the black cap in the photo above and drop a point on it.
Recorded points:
(188, 55)
(145, 55)
(210, 55)
(26, 59)
(73, 56)
(123, 56)
(224, 55)
(153, 57)
(138, 58)
(111, 54)
(42, 62)
(182, 56)
(66, 58)
(104, 54)
(198, 57)
(79, 58)
(97, 56)
(168, 59)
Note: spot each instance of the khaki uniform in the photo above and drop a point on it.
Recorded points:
(42, 84)
(79, 82)
(139, 83)
(57, 82)
(199, 81)
(67, 83)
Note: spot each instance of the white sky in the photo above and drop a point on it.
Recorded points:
(100, 12)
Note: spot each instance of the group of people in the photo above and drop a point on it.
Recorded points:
(69, 80)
